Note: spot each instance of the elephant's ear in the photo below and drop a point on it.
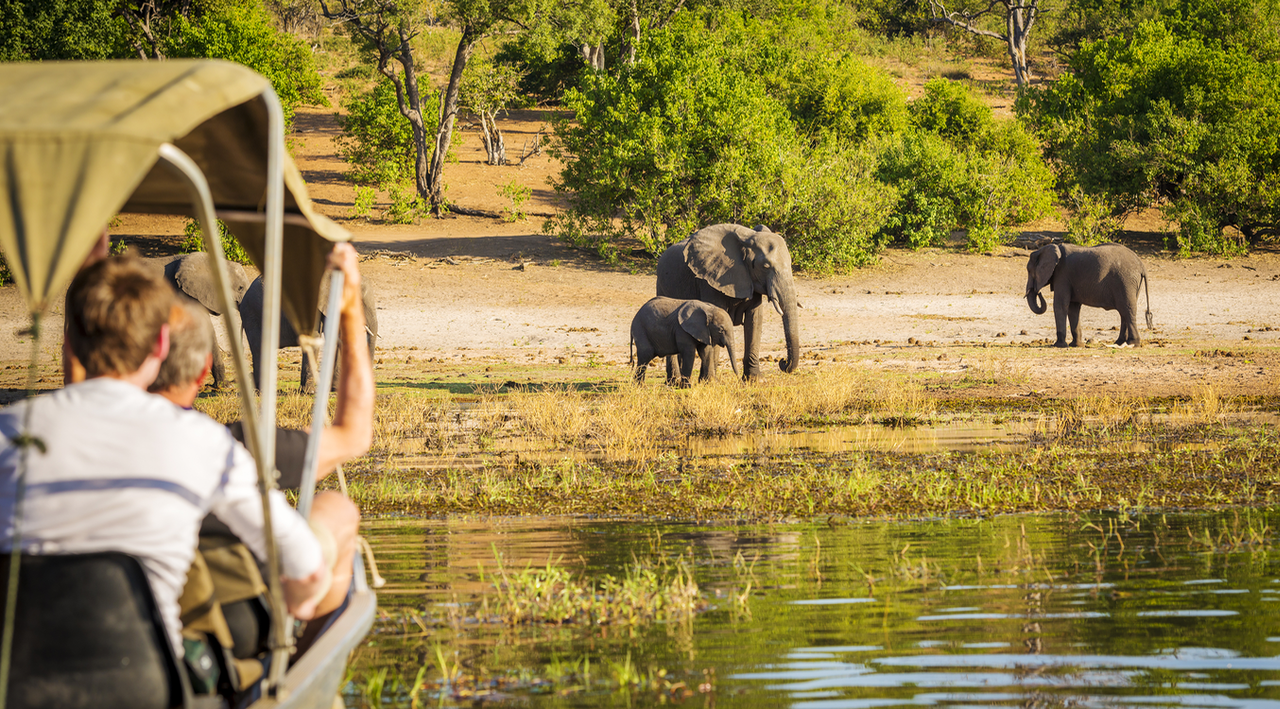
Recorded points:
(1045, 265)
(714, 254)
(194, 278)
(693, 318)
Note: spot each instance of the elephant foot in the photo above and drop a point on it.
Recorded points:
(1060, 344)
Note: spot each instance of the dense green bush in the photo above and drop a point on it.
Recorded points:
(960, 168)
(746, 123)
(376, 140)
(242, 31)
(684, 137)
(193, 241)
(62, 29)
(842, 96)
(1158, 120)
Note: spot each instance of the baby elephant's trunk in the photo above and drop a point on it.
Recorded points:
(733, 356)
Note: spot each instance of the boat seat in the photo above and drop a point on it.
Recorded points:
(87, 633)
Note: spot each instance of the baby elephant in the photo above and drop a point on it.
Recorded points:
(1107, 276)
(666, 326)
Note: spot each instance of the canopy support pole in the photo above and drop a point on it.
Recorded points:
(320, 408)
(273, 249)
(202, 199)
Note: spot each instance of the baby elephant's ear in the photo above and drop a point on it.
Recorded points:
(693, 318)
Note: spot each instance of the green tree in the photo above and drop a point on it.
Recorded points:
(376, 141)
(690, 135)
(1158, 120)
(960, 168)
(487, 90)
(60, 29)
(1009, 21)
(385, 30)
(242, 31)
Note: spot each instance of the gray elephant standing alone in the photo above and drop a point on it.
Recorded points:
(1108, 276)
(251, 318)
(189, 274)
(736, 268)
(684, 328)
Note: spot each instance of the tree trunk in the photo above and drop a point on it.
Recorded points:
(1018, 23)
(434, 190)
(495, 147)
(633, 30)
(593, 55)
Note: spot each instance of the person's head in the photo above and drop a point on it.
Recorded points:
(117, 317)
(191, 340)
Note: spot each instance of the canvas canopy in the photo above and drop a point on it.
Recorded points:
(80, 141)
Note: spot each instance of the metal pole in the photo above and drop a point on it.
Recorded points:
(320, 408)
(202, 200)
(273, 247)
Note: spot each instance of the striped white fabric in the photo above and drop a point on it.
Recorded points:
(113, 468)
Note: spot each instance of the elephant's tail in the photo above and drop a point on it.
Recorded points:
(631, 351)
(1146, 286)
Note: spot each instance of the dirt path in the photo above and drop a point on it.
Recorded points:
(492, 291)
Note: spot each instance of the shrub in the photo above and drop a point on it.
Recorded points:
(844, 97)
(1092, 220)
(242, 31)
(376, 140)
(406, 205)
(691, 135)
(193, 241)
(1163, 121)
(517, 194)
(959, 168)
(683, 137)
(365, 198)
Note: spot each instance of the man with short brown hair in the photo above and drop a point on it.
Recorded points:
(118, 469)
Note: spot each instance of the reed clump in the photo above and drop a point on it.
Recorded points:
(552, 594)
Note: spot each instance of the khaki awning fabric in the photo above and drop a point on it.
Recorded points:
(79, 143)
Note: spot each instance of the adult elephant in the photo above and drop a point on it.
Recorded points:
(736, 268)
(251, 318)
(189, 274)
(1107, 276)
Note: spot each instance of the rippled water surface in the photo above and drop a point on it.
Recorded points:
(1164, 610)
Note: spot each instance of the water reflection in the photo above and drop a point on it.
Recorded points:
(1017, 611)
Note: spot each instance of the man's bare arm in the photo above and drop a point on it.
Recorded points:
(351, 432)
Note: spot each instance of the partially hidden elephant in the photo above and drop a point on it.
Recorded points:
(189, 274)
(683, 328)
(251, 318)
(735, 268)
(1107, 276)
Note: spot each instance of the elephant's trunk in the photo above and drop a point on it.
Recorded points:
(1037, 307)
(733, 354)
(783, 295)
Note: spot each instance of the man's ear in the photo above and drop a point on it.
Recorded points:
(204, 372)
(161, 349)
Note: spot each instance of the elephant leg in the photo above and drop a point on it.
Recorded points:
(709, 354)
(710, 359)
(1061, 304)
(752, 322)
(255, 360)
(644, 355)
(687, 353)
(310, 373)
(1129, 327)
(219, 369)
(673, 371)
(1073, 316)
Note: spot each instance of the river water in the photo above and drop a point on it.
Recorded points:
(1058, 610)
